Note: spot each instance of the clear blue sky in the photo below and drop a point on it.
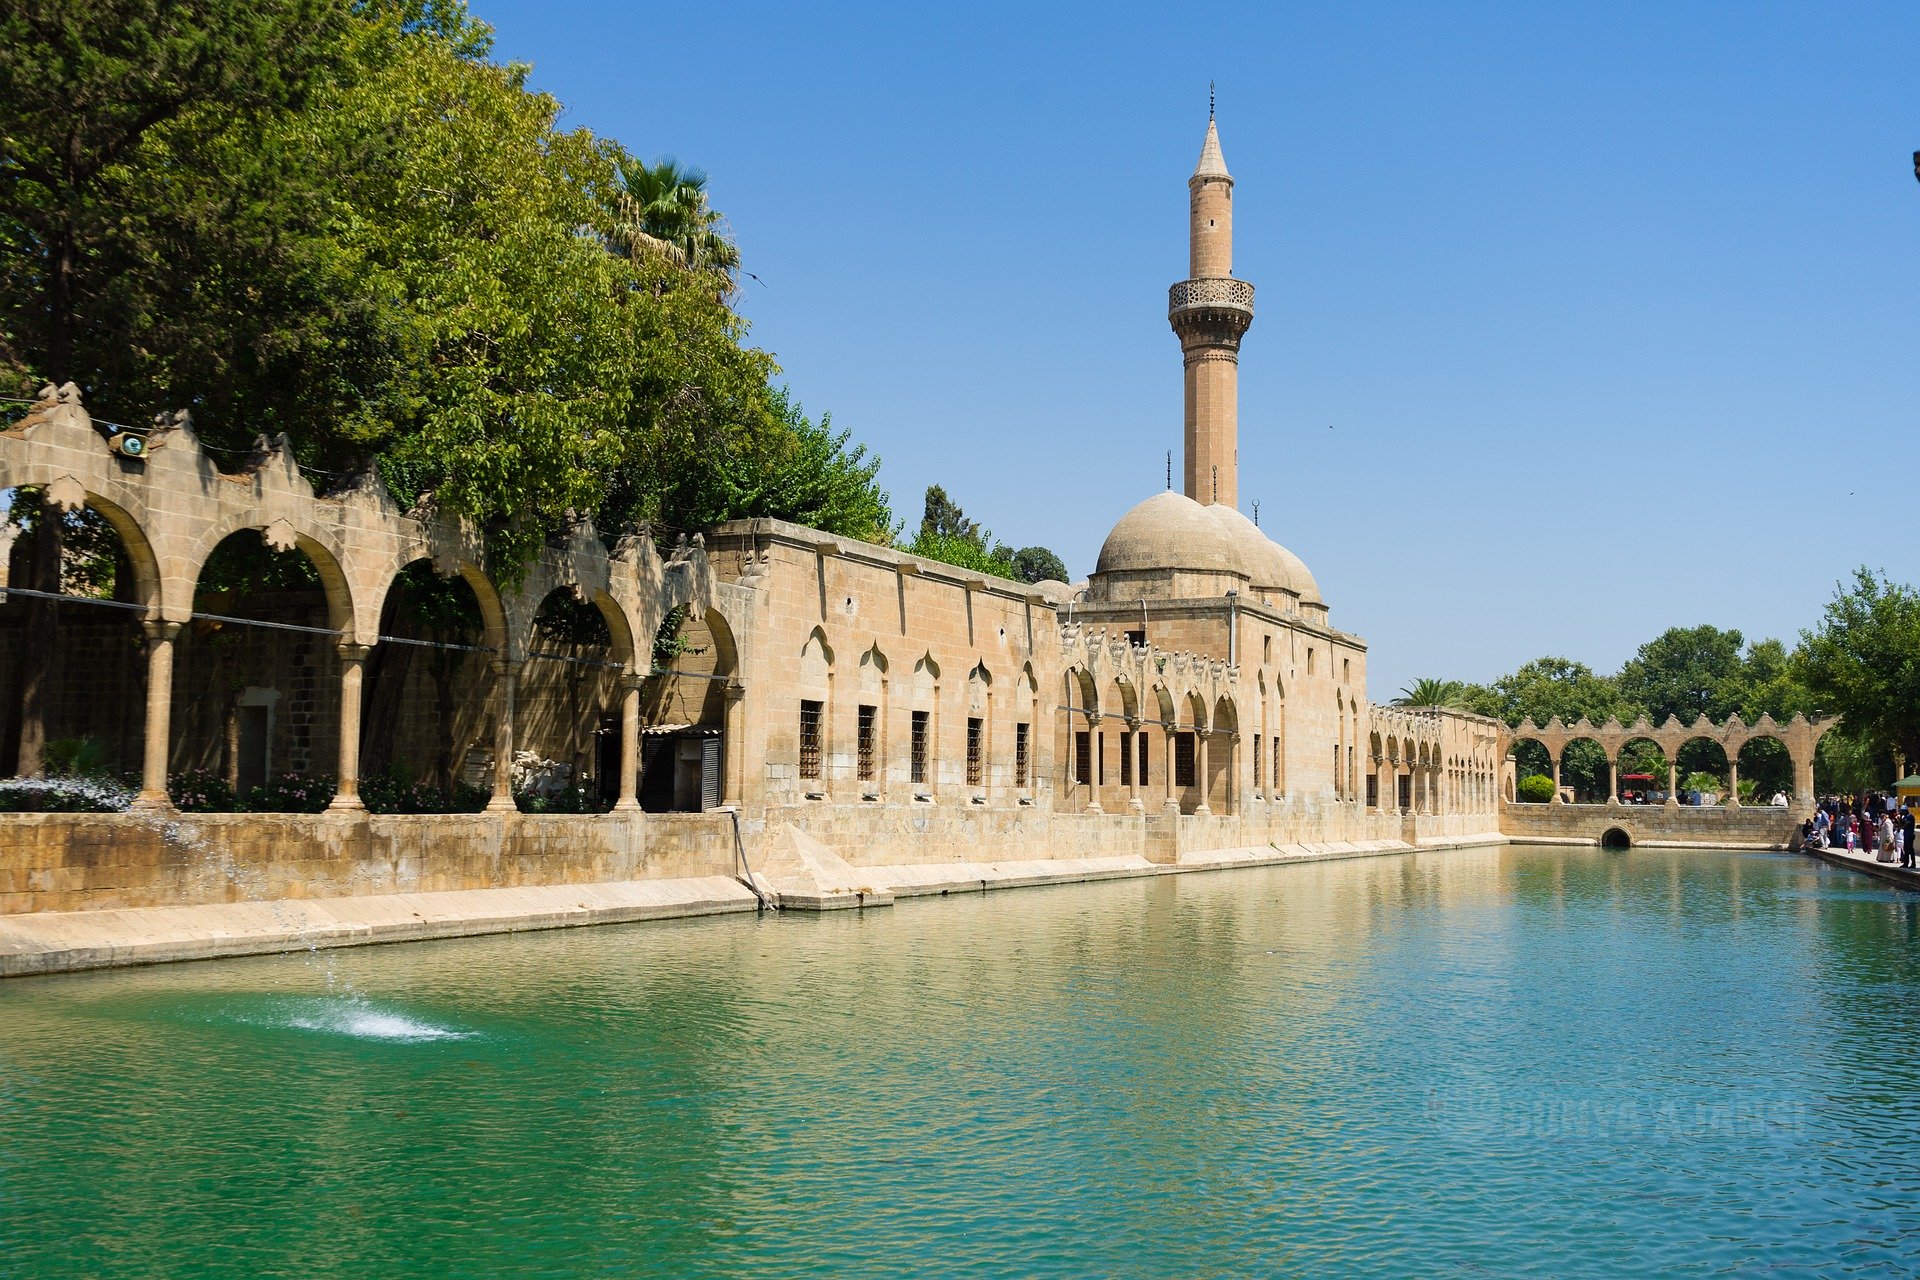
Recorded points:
(1612, 309)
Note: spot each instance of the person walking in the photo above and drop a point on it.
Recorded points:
(1907, 855)
(1883, 839)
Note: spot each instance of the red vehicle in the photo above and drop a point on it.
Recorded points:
(1636, 788)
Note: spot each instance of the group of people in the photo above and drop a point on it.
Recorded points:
(1870, 824)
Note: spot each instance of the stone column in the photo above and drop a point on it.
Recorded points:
(1803, 784)
(1168, 802)
(353, 661)
(1200, 778)
(159, 730)
(1095, 764)
(1733, 781)
(733, 754)
(507, 673)
(1613, 782)
(627, 798)
(1132, 748)
(1673, 785)
(1556, 780)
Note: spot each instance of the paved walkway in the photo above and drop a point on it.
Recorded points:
(1906, 878)
(54, 941)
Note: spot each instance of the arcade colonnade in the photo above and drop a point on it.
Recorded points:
(1432, 761)
(172, 506)
(1800, 736)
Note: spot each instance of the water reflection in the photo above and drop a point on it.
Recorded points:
(1494, 1061)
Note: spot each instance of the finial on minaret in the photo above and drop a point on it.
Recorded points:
(1209, 101)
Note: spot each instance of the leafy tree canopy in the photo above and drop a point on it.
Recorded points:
(1429, 692)
(1038, 564)
(1863, 661)
(340, 220)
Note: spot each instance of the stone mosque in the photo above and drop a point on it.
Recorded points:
(832, 724)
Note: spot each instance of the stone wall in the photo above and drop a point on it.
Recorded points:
(77, 862)
(1677, 826)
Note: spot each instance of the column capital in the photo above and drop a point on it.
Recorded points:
(733, 691)
(160, 630)
(351, 652)
(504, 666)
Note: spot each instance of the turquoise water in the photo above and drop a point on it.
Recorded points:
(1489, 1063)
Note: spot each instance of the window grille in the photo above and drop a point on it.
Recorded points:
(1020, 732)
(1183, 760)
(868, 715)
(975, 733)
(1083, 757)
(809, 738)
(1145, 776)
(1126, 759)
(921, 719)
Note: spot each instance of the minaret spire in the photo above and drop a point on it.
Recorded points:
(1209, 311)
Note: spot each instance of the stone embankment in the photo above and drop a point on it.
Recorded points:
(802, 874)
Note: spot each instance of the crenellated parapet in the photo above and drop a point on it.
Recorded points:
(171, 505)
(1799, 735)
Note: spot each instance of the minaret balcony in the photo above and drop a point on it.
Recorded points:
(1211, 302)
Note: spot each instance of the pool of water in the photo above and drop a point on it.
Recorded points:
(1490, 1063)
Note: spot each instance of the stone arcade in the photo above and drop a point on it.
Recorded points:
(860, 721)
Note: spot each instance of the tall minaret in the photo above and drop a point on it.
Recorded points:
(1209, 312)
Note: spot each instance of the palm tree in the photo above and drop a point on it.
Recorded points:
(664, 208)
(1428, 692)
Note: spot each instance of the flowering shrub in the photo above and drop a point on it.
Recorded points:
(291, 793)
(201, 791)
(388, 793)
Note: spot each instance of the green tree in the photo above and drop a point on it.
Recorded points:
(1863, 661)
(664, 209)
(1038, 564)
(1548, 687)
(1686, 672)
(948, 536)
(1430, 692)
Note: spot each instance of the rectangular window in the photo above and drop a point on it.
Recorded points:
(1183, 760)
(1309, 659)
(868, 718)
(1373, 791)
(1138, 639)
(1256, 759)
(975, 750)
(1083, 757)
(921, 719)
(1276, 768)
(1145, 777)
(1020, 754)
(1406, 791)
(1126, 762)
(1266, 651)
(1100, 757)
(809, 738)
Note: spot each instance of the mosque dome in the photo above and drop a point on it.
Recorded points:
(1171, 532)
(1269, 565)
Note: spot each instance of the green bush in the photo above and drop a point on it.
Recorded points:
(575, 799)
(1536, 788)
(389, 793)
(291, 793)
(201, 791)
